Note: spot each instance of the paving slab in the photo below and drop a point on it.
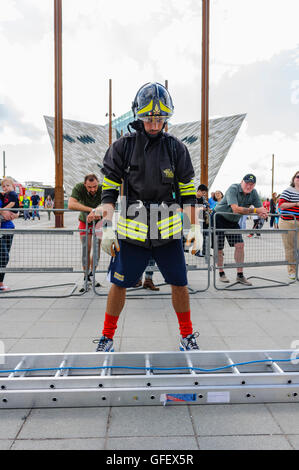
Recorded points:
(65, 423)
(14, 329)
(150, 421)
(58, 444)
(47, 329)
(5, 444)
(286, 415)
(149, 443)
(245, 342)
(244, 443)
(294, 441)
(234, 419)
(39, 345)
(11, 421)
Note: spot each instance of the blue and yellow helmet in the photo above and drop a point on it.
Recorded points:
(152, 99)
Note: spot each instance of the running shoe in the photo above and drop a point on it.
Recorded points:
(104, 345)
(189, 342)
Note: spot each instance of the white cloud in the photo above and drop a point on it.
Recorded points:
(10, 12)
(246, 32)
(254, 154)
(133, 42)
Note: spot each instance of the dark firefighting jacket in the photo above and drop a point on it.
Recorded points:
(152, 171)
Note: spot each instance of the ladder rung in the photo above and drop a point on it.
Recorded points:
(148, 365)
(106, 371)
(234, 368)
(62, 372)
(275, 367)
(20, 365)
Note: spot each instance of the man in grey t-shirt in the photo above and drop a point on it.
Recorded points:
(240, 199)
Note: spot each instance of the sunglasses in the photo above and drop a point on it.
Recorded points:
(297, 176)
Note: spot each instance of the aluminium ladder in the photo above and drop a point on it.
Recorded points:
(147, 378)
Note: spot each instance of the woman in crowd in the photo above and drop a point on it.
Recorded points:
(289, 219)
(273, 202)
(218, 196)
(8, 199)
(49, 204)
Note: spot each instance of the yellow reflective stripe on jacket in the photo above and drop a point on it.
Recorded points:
(187, 189)
(132, 229)
(137, 230)
(166, 233)
(172, 219)
(127, 233)
(109, 184)
(170, 226)
(133, 222)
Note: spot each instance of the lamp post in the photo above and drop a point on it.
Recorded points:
(110, 114)
(204, 158)
(58, 123)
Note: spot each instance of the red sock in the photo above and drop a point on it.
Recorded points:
(110, 325)
(185, 323)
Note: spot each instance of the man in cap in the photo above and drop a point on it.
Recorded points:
(240, 199)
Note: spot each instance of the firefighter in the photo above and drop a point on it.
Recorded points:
(156, 172)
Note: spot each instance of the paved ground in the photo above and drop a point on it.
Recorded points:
(248, 319)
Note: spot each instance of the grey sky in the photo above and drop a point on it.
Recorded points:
(263, 89)
(253, 66)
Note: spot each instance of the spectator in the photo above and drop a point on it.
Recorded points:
(148, 278)
(278, 211)
(289, 219)
(9, 199)
(272, 210)
(204, 214)
(212, 201)
(218, 196)
(258, 223)
(35, 203)
(49, 204)
(26, 206)
(86, 197)
(240, 199)
(266, 205)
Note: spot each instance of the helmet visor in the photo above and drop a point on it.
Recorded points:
(153, 118)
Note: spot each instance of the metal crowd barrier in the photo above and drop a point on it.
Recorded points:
(44, 250)
(50, 250)
(262, 248)
(194, 264)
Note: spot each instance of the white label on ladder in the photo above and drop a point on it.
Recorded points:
(218, 397)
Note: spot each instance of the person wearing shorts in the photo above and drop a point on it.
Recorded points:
(240, 199)
(155, 171)
(86, 197)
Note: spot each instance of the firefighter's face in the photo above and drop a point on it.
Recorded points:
(92, 186)
(153, 126)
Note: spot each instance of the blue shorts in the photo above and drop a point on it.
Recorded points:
(130, 262)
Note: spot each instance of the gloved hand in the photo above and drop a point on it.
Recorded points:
(194, 236)
(109, 241)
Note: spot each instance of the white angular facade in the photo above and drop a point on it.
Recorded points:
(85, 144)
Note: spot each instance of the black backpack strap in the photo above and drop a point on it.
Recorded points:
(172, 151)
(129, 145)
